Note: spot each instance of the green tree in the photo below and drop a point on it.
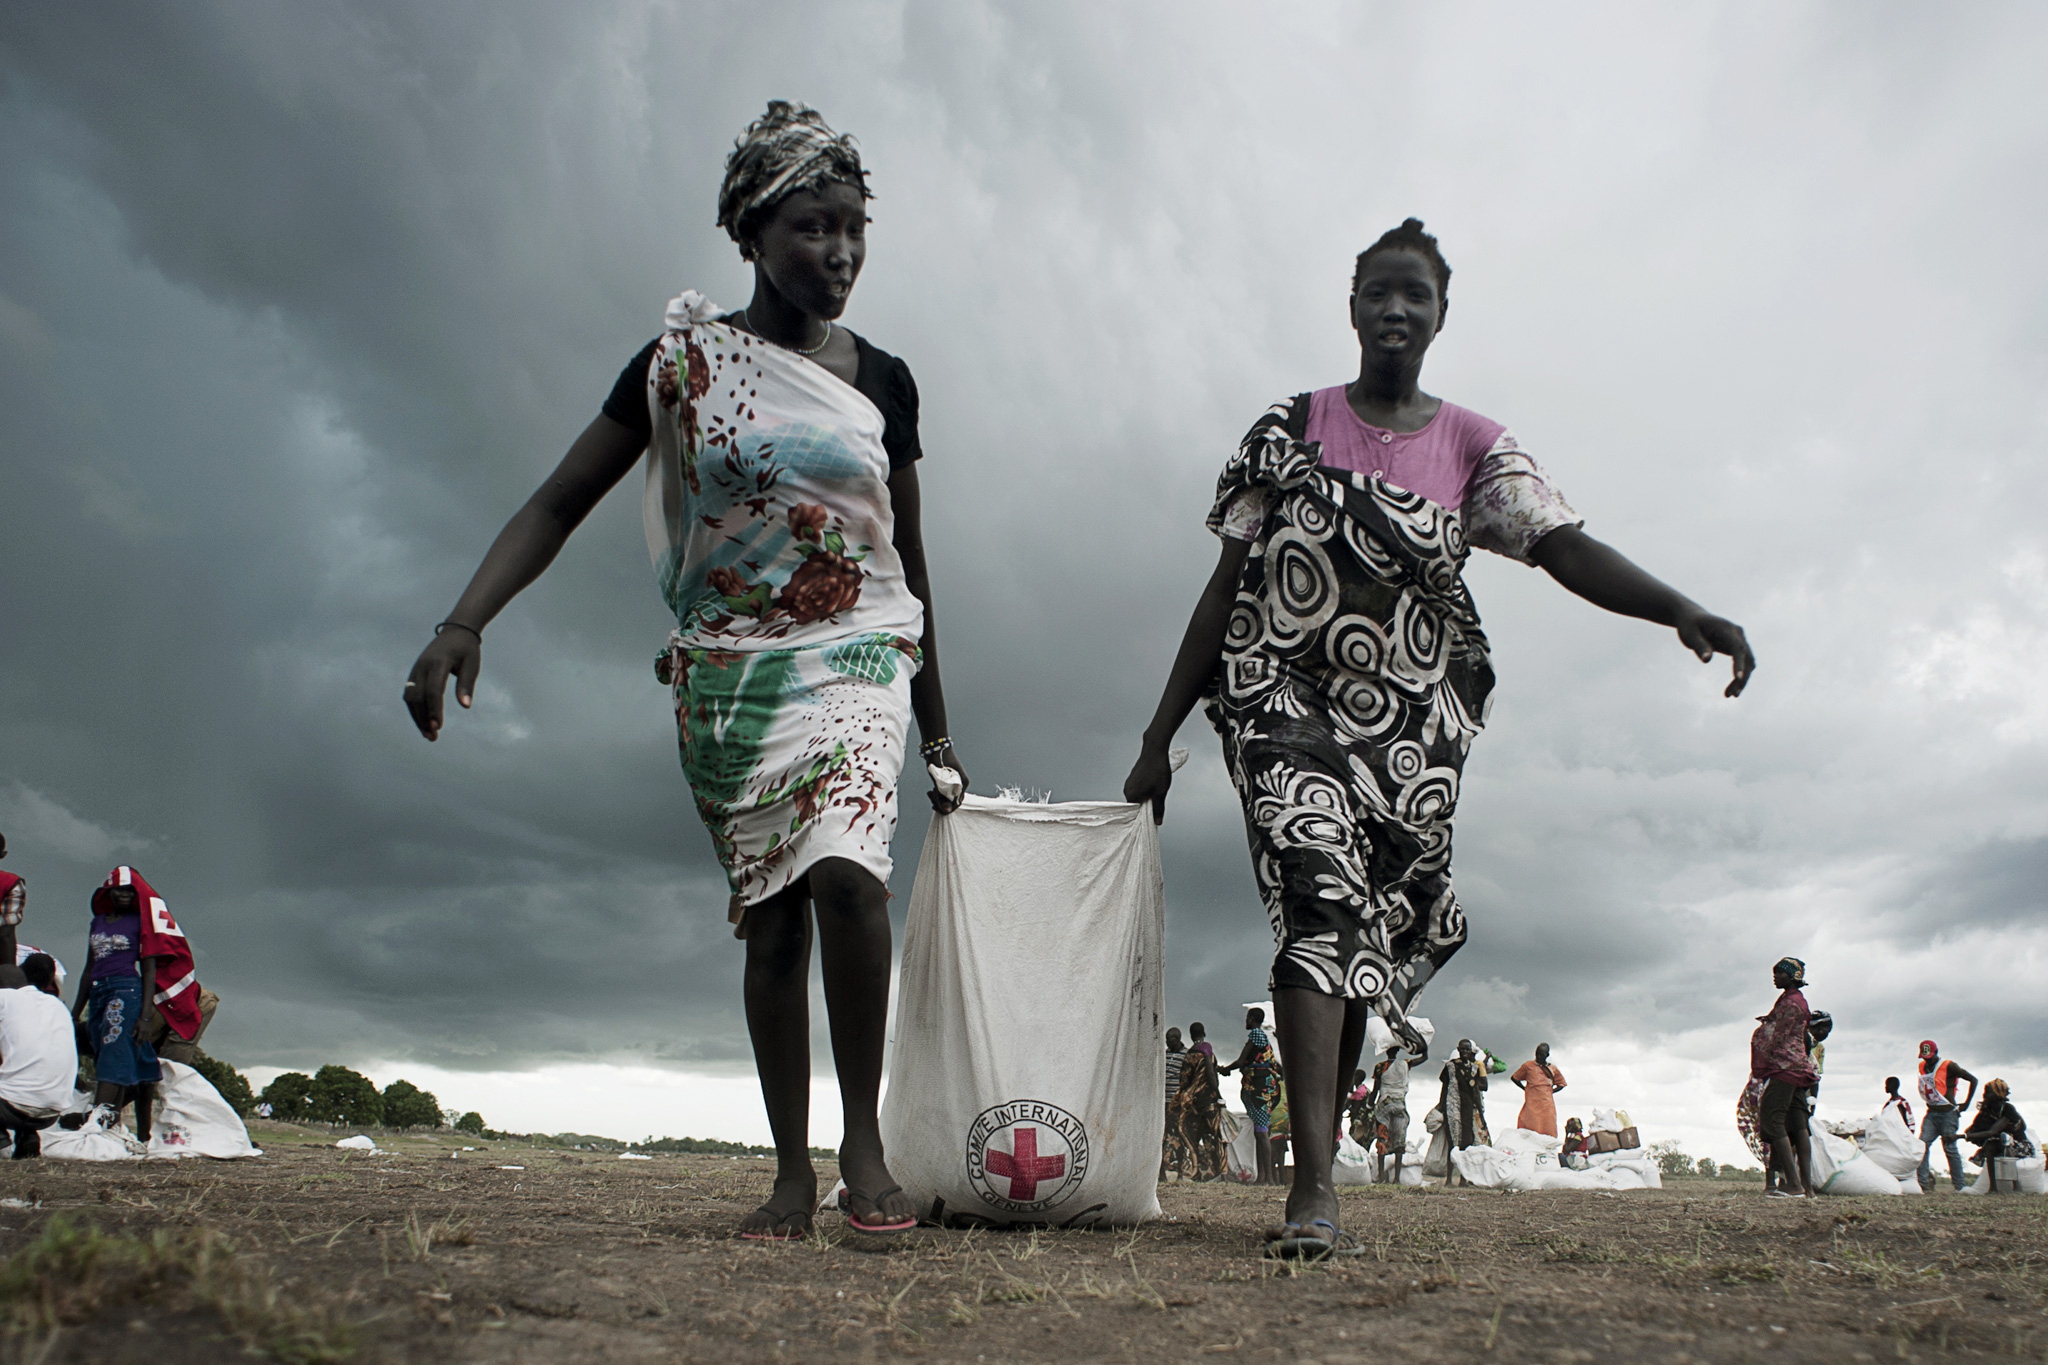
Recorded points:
(471, 1123)
(286, 1097)
(1669, 1159)
(1708, 1168)
(232, 1084)
(408, 1106)
(339, 1095)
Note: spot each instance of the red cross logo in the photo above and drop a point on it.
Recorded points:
(1025, 1167)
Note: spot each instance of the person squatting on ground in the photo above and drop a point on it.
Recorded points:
(1538, 1081)
(14, 954)
(1997, 1131)
(1780, 1071)
(1944, 1113)
(38, 1055)
(1390, 1110)
(138, 966)
(784, 521)
(1341, 662)
(1258, 1089)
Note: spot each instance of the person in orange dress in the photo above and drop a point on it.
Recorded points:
(1538, 1080)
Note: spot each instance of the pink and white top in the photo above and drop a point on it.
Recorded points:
(1458, 460)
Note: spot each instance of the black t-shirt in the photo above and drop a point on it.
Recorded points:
(882, 377)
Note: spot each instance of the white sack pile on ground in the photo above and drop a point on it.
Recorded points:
(191, 1120)
(1027, 1079)
(1523, 1160)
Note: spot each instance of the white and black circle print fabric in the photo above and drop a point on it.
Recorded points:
(1354, 678)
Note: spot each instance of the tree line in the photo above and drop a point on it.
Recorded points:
(335, 1094)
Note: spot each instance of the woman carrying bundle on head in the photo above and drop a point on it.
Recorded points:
(1341, 661)
(782, 514)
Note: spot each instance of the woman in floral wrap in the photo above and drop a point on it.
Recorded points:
(1342, 663)
(782, 515)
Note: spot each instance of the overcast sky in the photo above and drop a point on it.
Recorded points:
(297, 303)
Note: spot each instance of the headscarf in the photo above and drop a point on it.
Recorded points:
(787, 149)
(164, 940)
(1996, 1090)
(1793, 967)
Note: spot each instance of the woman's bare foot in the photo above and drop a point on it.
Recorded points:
(793, 1196)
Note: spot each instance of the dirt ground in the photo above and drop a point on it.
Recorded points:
(430, 1254)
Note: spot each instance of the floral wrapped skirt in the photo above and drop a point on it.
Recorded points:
(793, 755)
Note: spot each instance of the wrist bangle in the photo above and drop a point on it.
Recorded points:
(459, 626)
(932, 748)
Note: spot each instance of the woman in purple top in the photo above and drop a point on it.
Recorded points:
(1342, 663)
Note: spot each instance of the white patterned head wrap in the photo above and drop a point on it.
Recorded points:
(787, 149)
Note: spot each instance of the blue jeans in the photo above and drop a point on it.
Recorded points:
(1940, 1123)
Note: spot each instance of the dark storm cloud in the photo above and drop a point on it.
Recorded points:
(295, 306)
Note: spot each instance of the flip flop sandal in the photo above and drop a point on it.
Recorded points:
(875, 1229)
(1293, 1245)
(780, 1230)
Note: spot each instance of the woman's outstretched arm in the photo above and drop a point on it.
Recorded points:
(1200, 649)
(927, 693)
(528, 544)
(1607, 578)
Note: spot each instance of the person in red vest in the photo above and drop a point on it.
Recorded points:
(138, 963)
(1938, 1093)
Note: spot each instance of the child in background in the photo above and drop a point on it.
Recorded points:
(1896, 1100)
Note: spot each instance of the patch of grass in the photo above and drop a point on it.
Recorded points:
(421, 1238)
(1753, 1269)
(74, 1274)
(1572, 1249)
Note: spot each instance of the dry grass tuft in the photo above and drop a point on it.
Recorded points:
(73, 1275)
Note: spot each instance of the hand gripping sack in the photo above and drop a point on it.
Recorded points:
(1028, 1079)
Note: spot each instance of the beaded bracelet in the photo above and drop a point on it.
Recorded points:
(931, 749)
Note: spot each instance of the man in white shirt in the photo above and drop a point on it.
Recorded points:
(38, 1055)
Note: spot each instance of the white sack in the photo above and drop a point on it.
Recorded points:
(1604, 1121)
(91, 1143)
(1910, 1184)
(1633, 1161)
(2031, 1176)
(1493, 1169)
(1890, 1143)
(194, 1120)
(1353, 1164)
(1838, 1168)
(1528, 1140)
(1378, 1038)
(1240, 1146)
(1028, 1079)
(361, 1142)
